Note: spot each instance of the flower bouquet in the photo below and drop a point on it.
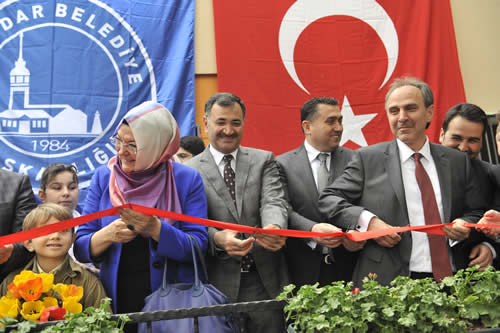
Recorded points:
(35, 297)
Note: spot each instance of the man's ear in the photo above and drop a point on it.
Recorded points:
(441, 136)
(41, 195)
(306, 127)
(74, 237)
(205, 122)
(29, 245)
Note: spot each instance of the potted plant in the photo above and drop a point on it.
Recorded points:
(460, 302)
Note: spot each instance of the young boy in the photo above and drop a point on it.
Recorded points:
(51, 255)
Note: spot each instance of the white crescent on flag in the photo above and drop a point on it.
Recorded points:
(304, 12)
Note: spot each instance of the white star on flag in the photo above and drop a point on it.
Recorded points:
(353, 125)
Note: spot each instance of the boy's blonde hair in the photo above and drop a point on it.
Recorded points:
(43, 213)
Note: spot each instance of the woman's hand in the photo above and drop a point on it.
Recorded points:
(141, 223)
(115, 232)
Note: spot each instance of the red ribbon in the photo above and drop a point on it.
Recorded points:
(355, 236)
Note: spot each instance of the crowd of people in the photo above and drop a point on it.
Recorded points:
(319, 187)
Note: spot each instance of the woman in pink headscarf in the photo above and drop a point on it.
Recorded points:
(131, 248)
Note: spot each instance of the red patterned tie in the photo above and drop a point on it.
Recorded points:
(441, 266)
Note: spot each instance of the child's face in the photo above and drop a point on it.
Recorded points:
(53, 246)
(62, 190)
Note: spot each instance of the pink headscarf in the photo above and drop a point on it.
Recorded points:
(152, 182)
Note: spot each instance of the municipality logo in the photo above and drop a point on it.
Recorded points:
(69, 71)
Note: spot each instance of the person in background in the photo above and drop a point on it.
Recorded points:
(132, 248)
(497, 137)
(243, 186)
(463, 129)
(51, 255)
(59, 184)
(16, 201)
(304, 172)
(190, 147)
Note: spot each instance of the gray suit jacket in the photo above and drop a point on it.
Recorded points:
(260, 201)
(298, 180)
(373, 181)
(16, 201)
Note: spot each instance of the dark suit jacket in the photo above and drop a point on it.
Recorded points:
(260, 201)
(373, 181)
(16, 201)
(297, 177)
(488, 179)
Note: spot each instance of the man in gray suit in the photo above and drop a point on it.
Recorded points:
(304, 173)
(16, 201)
(242, 186)
(408, 181)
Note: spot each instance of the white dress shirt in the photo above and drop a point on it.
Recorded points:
(218, 157)
(420, 259)
(312, 155)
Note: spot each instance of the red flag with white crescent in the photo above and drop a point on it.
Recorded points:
(278, 54)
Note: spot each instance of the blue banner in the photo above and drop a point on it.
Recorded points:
(70, 70)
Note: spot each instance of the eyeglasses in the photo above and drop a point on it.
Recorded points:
(119, 143)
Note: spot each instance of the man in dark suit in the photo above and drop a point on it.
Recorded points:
(242, 186)
(408, 181)
(463, 129)
(16, 201)
(303, 171)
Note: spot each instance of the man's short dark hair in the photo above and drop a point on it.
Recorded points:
(223, 99)
(309, 109)
(192, 144)
(468, 111)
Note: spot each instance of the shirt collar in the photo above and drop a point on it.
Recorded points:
(312, 152)
(406, 152)
(218, 156)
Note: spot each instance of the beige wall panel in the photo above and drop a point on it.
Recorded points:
(204, 38)
(477, 29)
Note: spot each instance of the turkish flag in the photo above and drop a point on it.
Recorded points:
(278, 54)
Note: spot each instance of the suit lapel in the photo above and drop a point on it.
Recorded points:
(213, 177)
(336, 164)
(393, 169)
(304, 168)
(242, 171)
(444, 175)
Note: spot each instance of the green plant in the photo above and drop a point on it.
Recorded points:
(470, 298)
(90, 320)
(478, 295)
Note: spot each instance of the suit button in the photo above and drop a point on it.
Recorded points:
(157, 265)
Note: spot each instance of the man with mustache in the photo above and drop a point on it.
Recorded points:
(463, 129)
(242, 186)
(407, 181)
(304, 173)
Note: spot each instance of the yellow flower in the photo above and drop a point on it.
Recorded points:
(72, 306)
(72, 292)
(23, 277)
(50, 301)
(48, 281)
(60, 288)
(32, 310)
(9, 307)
